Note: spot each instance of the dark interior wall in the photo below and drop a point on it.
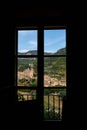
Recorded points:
(33, 17)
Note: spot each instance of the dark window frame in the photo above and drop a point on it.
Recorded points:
(40, 56)
(23, 56)
(50, 87)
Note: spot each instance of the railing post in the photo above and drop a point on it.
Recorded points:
(59, 107)
(64, 108)
(54, 106)
(48, 105)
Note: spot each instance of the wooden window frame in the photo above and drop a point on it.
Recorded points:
(40, 56)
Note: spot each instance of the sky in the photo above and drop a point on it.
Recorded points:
(53, 40)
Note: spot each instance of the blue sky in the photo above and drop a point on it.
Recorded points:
(53, 40)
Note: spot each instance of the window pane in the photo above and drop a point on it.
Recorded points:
(26, 94)
(54, 71)
(27, 42)
(27, 72)
(55, 42)
(53, 103)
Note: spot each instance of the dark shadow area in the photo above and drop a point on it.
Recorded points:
(28, 113)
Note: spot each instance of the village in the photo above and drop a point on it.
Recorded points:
(49, 81)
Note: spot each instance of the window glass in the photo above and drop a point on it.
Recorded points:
(27, 72)
(54, 73)
(27, 64)
(26, 94)
(55, 42)
(27, 42)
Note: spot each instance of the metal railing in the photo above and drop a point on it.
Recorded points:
(23, 97)
(53, 104)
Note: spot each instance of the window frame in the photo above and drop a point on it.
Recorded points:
(50, 87)
(24, 56)
(40, 60)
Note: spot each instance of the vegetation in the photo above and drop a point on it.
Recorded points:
(60, 91)
(51, 115)
(62, 51)
(54, 67)
(23, 63)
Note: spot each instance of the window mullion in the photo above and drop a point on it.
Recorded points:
(40, 68)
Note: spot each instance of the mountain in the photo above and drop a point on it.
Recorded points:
(56, 65)
(61, 51)
(31, 52)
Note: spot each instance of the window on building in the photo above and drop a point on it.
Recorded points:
(41, 69)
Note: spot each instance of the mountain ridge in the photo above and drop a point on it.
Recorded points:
(61, 51)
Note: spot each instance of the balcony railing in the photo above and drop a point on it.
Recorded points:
(26, 96)
(53, 104)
